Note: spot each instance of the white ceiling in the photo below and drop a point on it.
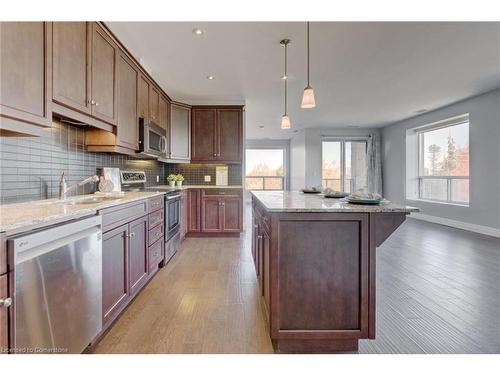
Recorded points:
(363, 74)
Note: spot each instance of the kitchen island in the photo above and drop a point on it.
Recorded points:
(315, 262)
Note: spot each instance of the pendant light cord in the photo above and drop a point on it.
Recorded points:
(286, 77)
(307, 53)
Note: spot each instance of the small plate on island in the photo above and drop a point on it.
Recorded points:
(337, 194)
(311, 191)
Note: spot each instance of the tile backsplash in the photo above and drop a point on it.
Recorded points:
(194, 174)
(31, 167)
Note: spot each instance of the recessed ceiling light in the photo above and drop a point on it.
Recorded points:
(284, 77)
(210, 78)
(198, 32)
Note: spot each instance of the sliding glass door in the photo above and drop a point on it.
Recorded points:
(344, 165)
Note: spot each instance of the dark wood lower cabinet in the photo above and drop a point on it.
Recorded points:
(211, 215)
(4, 311)
(138, 254)
(115, 285)
(316, 273)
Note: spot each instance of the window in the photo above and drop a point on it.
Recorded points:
(344, 165)
(443, 161)
(265, 169)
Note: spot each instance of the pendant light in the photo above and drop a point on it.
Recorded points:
(285, 120)
(308, 97)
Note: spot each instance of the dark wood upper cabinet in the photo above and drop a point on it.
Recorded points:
(127, 127)
(164, 113)
(71, 65)
(115, 286)
(180, 132)
(104, 98)
(143, 93)
(138, 254)
(25, 74)
(203, 135)
(154, 104)
(217, 134)
(229, 135)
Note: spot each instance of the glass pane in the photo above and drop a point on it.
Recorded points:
(446, 151)
(273, 183)
(154, 141)
(435, 189)
(332, 184)
(355, 166)
(460, 190)
(331, 164)
(264, 162)
(254, 183)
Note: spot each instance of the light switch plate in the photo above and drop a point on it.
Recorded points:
(208, 178)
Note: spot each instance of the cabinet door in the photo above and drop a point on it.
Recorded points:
(180, 133)
(203, 135)
(143, 97)
(4, 326)
(184, 213)
(266, 269)
(211, 215)
(114, 272)
(154, 103)
(25, 74)
(71, 65)
(232, 214)
(127, 129)
(138, 254)
(165, 121)
(229, 135)
(104, 97)
(194, 214)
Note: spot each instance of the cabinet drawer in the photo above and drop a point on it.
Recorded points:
(155, 254)
(156, 218)
(223, 192)
(155, 234)
(116, 216)
(155, 203)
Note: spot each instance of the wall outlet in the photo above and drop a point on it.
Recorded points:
(208, 178)
(157, 178)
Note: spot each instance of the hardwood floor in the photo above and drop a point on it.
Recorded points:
(438, 291)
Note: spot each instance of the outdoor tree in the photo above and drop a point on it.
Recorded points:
(434, 152)
(450, 163)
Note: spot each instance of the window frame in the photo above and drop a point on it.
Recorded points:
(285, 166)
(342, 141)
(420, 132)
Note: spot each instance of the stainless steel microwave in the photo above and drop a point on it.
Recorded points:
(152, 139)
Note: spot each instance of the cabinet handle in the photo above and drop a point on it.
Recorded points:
(260, 237)
(5, 302)
(92, 102)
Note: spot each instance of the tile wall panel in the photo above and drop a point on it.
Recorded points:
(31, 167)
(194, 174)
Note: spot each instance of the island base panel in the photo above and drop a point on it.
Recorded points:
(315, 346)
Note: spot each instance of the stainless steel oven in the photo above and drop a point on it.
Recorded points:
(172, 224)
(152, 139)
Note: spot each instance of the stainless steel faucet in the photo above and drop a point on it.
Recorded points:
(64, 188)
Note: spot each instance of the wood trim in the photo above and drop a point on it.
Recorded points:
(84, 119)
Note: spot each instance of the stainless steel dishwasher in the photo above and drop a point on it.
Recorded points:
(57, 287)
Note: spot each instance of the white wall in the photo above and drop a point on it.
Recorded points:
(305, 147)
(484, 134)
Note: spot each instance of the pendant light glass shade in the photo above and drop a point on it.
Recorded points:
(308, 98)
(285, 122)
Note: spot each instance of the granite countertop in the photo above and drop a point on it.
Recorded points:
(184, 187)
(20, 217)
(295, 201)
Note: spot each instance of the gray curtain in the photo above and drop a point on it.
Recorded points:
(374, 164)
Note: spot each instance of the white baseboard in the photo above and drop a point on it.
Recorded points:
(489, 231)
